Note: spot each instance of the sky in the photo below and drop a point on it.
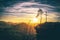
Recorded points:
(25, 10)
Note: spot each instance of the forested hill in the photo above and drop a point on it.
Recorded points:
(48, 31)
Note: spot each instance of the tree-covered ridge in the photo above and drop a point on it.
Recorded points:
(48, 31)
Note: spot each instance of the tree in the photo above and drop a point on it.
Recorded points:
(40, 12)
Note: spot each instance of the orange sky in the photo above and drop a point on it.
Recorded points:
(23, 12)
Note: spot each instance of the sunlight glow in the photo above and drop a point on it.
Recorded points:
(34, 20)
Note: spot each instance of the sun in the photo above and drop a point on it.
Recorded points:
(35, 20)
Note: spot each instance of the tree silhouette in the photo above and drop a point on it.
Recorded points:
(40, 12)
(46, 16)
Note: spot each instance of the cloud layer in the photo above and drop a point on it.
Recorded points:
(29, 10)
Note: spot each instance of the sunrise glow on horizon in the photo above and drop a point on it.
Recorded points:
(25, 11)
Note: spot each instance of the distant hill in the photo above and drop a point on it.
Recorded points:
(48, 31)
(15, 31)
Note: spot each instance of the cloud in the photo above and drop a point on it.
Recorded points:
(29, 9)
(8, 3)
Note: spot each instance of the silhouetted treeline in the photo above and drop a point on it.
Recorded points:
(19, 31)
(13, 31)
(48, 31)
